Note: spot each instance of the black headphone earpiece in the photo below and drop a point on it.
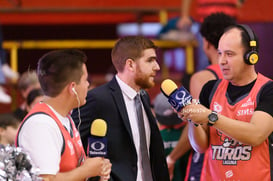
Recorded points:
(251, 56)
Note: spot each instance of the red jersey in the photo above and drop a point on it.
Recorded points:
(216, 70)
(229, 159)
(73, 153)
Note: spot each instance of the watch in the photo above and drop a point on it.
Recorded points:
(213, 117)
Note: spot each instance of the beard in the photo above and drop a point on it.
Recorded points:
(143, 80)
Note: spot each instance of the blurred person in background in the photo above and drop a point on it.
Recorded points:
(6, 74)
(8, 128)
(171, 127)
(27, 81)
(35, 96)
(205, 8)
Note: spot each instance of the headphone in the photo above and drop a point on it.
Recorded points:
(79, 103)
(75, 92)
(251, 57)
(78, 99)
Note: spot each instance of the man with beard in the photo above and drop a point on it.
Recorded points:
(134, 58)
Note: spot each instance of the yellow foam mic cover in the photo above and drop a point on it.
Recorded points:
(168, 86)
(98, 128)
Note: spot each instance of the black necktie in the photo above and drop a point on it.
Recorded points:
(145, 161)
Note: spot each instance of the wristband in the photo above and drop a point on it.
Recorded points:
(170, 160)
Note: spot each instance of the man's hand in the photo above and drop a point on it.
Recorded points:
(171, 164)
(184, 23)
(197, 113)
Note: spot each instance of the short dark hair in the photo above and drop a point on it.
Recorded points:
(129, 47)
(57, 68)
(214, 25)
(8, 119)
(33, 94)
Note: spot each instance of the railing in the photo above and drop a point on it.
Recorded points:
(13, 47)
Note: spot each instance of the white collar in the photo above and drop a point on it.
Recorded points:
(126, 89)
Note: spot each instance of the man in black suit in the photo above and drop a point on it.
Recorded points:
(135, 60)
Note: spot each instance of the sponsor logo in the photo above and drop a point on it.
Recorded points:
(97, 153)
(97, 146)
(249, 102)
(245, 112)
(247, 108)
(229, 174)
(180, 99)
(217, 107)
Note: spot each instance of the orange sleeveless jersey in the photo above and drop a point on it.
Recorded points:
(229, 159)
(73, 153)
(216, 70)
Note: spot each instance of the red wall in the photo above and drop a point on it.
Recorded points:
(257, 11)
(252, 11)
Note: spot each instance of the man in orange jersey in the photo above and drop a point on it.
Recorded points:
(236, 129)
(212, 28)
(48, 132)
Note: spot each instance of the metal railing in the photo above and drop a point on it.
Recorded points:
(14, 46)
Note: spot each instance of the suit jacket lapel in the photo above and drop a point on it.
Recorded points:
(117, 96)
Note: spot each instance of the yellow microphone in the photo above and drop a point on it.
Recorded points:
(98, 128)
(97, 142)
(178, 98)
(168, 87)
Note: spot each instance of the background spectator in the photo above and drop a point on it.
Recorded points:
(8, 128)
(27, 81)
(171, 127)
(35, 96)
